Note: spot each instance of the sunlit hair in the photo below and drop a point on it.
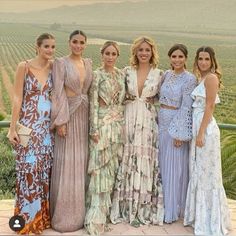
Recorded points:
(41, 37)
(134, 48)
(108, 44)
(80, 32)
(214, 64)
(182, 48)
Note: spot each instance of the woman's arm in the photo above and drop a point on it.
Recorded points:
(17, 102)
(94, 107)
(212, 85)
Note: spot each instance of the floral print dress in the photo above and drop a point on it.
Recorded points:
(107, 121)
(206, 205)
(138, 190)
(33, 163)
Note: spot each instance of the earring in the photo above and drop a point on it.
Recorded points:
(213, 70)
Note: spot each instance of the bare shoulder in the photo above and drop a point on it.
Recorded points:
(21, 65)
(211, 80)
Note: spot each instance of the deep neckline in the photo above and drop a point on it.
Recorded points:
(144, 84)
(78, 72)
(32, 76)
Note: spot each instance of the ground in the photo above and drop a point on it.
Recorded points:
(177, 228)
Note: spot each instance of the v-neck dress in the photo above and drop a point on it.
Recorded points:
(33, 162)
(138, 190)
(67, 194)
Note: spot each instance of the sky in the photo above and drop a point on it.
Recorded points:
(34, 5)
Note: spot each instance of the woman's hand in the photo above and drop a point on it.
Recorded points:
(13, 137)
(95, 138)
(61, 130)
(200, 140)
(178, 143)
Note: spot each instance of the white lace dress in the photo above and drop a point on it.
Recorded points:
(206, 205)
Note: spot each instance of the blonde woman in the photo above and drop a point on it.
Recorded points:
(106, 132)
(206, 205)
(138, 191)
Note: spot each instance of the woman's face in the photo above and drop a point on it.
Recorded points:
(77, 44)
(46, 49)
(178, 60)
(144, 53)
(109, 56)
(204, 62)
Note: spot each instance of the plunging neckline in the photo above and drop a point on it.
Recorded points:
(144, 84)
(77, 70)
(42, 86)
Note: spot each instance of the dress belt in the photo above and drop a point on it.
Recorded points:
(168, 107)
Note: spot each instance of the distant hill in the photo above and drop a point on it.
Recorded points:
(188, 15)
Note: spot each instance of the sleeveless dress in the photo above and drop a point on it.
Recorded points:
(67, 193)
(108, 122)
(138, 195)
(206, 205)
(33, 163)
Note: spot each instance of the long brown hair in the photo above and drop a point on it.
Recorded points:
(214, 64)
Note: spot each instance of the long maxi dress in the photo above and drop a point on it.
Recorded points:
(175, 124)
(33, 162)
(138, 196)
(67, 194)
(108, 122)
(206, 205)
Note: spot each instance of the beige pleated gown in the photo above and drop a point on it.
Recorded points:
(67, 191)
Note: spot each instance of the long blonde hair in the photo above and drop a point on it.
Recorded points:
(137, 42)
(214, 64)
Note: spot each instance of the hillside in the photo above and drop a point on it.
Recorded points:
(211, 16)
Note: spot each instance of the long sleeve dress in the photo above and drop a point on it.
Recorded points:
(206, 205)
(175, 124)
(34, 162)
(108, 122)
(138, 196)
(67, 193)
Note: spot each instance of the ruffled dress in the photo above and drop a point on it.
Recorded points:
(108, 122)
(206, 205)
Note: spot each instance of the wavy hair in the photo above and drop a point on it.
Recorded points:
(136, 44)
(214, 64)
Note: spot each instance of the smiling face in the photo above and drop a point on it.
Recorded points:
(109, 56)
(178, 60)
(204, 62)
(77, 44)
(46, 49)
(144, 53)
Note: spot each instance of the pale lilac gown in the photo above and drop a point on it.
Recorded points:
(175, 124)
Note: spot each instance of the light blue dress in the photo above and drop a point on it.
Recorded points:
(175, 124)
(206, 203)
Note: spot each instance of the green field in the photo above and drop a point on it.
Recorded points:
(17, 44)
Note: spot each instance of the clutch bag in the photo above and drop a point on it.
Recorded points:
(23, 133)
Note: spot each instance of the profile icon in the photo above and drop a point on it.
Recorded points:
(16, 223)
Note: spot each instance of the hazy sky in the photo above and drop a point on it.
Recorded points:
(32, 5)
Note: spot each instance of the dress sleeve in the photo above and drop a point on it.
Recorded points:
(60, 108)
(181, 126)
(94, 105)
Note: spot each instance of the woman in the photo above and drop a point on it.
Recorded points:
(106, 131)
(206, 205)
(32, 109)
(72, 77)
(175, 130)
(138, 191)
